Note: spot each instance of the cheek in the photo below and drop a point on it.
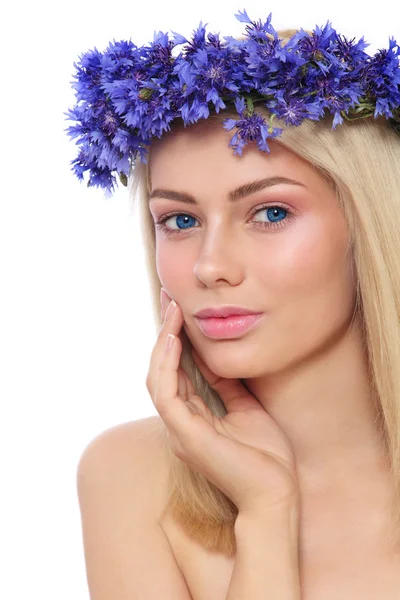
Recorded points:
(309, 291)
(309, 256)
(174, 267)
(310, 281)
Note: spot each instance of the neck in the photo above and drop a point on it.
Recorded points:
(326, 408)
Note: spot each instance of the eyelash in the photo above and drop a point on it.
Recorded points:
(267, 225)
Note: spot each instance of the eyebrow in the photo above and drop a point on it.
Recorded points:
(237, 194)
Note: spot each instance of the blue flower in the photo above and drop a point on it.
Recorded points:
(251, 127)
(294, 111)
(205, 75)
(381, 80)
(128, 95)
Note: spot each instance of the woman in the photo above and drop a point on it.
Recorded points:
(276, 471)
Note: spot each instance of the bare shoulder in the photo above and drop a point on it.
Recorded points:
(122, 479)
(131, 457)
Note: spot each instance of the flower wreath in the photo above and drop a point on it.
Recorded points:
(130, 94)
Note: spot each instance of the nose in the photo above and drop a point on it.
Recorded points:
(218, 258)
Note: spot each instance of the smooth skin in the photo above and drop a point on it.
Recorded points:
(305, 361)
(245, 454)
(303, 364)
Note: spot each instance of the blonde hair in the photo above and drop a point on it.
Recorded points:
(361, 160)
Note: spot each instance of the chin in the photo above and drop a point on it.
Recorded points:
(229, 368)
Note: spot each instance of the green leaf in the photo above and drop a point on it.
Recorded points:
(123, 178)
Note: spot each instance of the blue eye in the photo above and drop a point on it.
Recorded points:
(271, 213)
(275, 213)
(184, 221)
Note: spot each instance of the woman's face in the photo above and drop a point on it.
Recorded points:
(280, 250)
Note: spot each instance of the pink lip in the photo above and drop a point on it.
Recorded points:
(226, 310)
(229, 327)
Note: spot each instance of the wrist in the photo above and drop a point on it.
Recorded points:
(279, 518)
(264, 508)
(267, 554)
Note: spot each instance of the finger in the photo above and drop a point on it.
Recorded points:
(182, 384)
(172, 324)
(234, 395)
(191, 421)
(185, 386)
(171, 407)
(165, 302)
(186, 389)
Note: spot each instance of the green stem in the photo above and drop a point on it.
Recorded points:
(250, 105)
(354, 118)
(270, 123)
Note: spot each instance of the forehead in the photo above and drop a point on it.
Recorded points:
(198, 159)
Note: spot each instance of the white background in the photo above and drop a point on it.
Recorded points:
(76, 331)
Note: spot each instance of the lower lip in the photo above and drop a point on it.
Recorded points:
(228, 328)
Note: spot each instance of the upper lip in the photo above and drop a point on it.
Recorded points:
(225, 311)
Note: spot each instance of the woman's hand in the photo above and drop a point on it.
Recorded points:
(245, 453)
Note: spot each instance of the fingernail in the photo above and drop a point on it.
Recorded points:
(164, 298)
(170, 309)
(169, 341)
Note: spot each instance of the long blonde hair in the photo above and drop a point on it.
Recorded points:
(361, 160)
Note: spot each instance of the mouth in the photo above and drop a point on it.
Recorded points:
(228, 327)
